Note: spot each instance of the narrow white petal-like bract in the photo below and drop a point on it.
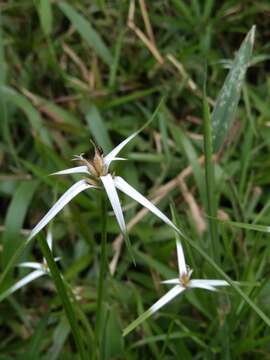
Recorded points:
(122, 185)
(58, 206)
(171, 281)
(110, 189)
(31, 265)
(197, 284)
(49, 239)
(176, 290)
(74, 170)
(182, 267)
(211, 282)
(119, 159)
(171, 294)
(112, 155)
(24, 281)
(108, 183)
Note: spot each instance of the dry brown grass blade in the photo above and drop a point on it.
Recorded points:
(147, 42)
(193, 206)
(75, 58)
(147, 22)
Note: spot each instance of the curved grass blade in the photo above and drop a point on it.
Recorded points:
(15, 216)
(87, 32)
(241, 225)
(32, 114)
(63, 294)
(228, 98)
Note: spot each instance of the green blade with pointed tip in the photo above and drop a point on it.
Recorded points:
(228, 98)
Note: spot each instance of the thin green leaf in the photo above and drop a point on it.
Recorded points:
(240, 225)
(36, 341)
(33, 115)
(15, 218)
(87, 32)
(63, 294)
(98, 128)
(44, 8)
(210, 177)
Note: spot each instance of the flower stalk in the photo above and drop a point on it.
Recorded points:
(102, 274)
(210, 180)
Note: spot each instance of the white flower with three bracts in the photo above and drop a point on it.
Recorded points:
(99, 176)
(182, 283)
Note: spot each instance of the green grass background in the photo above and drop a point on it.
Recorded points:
(71, 71)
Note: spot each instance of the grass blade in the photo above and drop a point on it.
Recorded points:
(32, 114)
(210, 178)
(87, 32)
(98, 128)
(241, 225)
(228, 98)
(44, 8)
(63, 294)
(15, 218)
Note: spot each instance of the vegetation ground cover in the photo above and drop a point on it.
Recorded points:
(79, 70)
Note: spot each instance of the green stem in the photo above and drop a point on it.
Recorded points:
(102, 273)
(62, 292)
(210, 179)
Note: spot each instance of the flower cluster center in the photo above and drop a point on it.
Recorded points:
(185, 278)
(95, 166)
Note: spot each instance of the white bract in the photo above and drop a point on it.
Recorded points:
(98, 176)
(40, 269)
(182, 283)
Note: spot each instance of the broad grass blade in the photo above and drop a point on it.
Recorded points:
(228, 98)
(98, 128)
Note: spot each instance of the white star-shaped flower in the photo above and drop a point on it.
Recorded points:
(40, 269)
(182, 283)
(99, 176)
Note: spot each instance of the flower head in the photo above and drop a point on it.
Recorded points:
(39, 269)
(99, 176)
(182, 283)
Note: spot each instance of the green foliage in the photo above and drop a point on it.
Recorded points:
(71, 71)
